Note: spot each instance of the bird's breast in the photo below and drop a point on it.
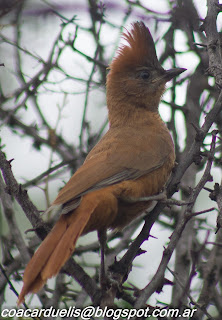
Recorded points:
(128, 192)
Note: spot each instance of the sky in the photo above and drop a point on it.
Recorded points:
(38, 38)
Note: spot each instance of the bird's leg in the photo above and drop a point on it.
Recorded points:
(157, 197)
(162, 197)
(102, 240)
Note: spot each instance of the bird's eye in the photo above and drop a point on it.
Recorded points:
(144, 74)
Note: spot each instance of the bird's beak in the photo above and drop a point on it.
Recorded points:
(172, 73)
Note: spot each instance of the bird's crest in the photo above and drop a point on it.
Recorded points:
(139, 50)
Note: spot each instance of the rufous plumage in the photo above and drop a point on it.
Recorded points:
(133, 160)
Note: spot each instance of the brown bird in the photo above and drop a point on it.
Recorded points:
(132, 161)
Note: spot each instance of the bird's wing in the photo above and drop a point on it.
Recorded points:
(113, 160)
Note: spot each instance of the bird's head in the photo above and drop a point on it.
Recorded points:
(135, 73)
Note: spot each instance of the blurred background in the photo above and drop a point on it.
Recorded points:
(53, 111)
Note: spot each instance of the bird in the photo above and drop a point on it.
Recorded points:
(130, 163)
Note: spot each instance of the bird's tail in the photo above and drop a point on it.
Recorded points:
(54, 250)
